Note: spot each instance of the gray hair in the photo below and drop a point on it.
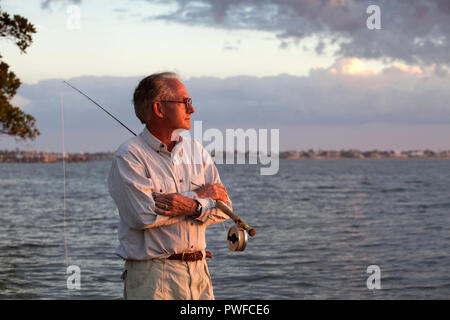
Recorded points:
(152, 88)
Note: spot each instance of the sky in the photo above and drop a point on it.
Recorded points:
(312, 69)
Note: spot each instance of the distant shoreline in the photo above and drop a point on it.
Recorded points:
(21, 156)
(357, 154)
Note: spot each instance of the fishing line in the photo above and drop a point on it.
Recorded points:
(64, 181)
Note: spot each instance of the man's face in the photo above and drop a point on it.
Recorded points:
(177, 115)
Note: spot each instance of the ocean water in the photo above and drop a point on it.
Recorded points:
(320, 224)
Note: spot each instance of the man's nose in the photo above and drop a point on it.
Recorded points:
(190, 108)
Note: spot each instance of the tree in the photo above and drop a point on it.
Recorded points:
(13, 121)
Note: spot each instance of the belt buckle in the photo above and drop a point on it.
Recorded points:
(183, 258)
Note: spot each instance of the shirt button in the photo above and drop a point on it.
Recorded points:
(160, 190)
(192, 224)
(181, 180)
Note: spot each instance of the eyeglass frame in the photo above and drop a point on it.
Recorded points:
(186, 102)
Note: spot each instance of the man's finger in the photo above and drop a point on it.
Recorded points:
(163, 200)
(161, 212)
(168, 213)
(162, 205)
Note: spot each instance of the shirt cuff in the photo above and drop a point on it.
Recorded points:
(207, 204)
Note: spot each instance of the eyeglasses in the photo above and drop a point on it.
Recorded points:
(186, 102)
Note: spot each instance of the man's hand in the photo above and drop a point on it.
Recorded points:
(174, 204)
(214, 191)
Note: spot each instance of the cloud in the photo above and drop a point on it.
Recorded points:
(113, 93)
(348, 94)
(19, 101)
(354, 66)
(414, 32)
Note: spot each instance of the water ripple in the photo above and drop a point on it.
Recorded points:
(320, 225)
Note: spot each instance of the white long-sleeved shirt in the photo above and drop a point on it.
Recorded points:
(143, 165)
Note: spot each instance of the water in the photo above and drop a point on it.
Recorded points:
(320, 224)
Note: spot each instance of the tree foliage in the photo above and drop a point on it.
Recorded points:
(13, 121)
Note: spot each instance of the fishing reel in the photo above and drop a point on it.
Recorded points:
(237, 238)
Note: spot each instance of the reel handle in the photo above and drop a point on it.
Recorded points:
(238, 220)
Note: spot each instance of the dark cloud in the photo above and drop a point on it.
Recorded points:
(416, 32)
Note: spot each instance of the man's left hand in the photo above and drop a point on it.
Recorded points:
(174, 204)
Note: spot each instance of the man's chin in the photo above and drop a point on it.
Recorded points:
(184, 127)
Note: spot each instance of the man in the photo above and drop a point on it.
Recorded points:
(165, 187)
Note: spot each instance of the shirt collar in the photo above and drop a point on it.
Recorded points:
(156, 144)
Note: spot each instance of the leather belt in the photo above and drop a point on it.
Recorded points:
(189, 256)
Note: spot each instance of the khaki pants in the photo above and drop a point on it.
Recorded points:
(162, 279)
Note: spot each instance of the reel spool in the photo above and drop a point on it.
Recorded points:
(237, 238)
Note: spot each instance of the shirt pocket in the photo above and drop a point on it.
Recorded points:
(164, 185)
(196, 181)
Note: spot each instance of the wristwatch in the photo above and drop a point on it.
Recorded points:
(198, 209)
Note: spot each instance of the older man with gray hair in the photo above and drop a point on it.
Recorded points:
(154, 181)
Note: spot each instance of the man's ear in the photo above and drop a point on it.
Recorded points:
(158, 110)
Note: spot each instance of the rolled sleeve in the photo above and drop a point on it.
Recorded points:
(210, 213)
(207, 205)
(132, 192)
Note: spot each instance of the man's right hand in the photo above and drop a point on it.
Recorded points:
(214, 191)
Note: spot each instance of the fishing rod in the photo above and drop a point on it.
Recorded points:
(237, 235)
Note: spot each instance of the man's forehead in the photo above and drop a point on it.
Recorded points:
(178, 87)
